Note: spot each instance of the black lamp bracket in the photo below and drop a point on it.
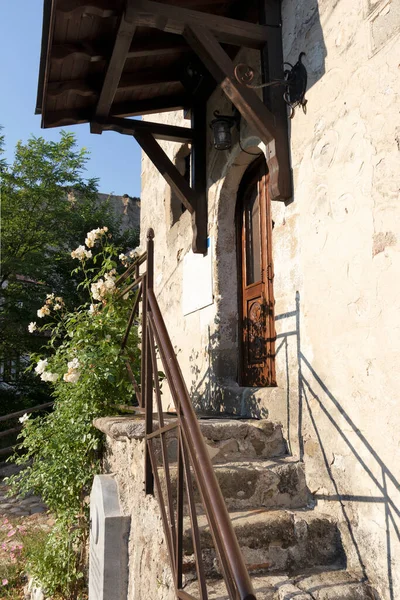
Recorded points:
(295, 82)
(233, 119)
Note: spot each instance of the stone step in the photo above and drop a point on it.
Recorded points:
(278, 483)
(317, 585)
(226, 439)
(235, 439)
(274, 540)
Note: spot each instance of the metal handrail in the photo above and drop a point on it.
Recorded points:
(214, 504)
(192, 457)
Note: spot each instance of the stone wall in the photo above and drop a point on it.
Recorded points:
(336, 260)
(149, 572)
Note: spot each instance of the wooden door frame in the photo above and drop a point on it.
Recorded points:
(250, 175)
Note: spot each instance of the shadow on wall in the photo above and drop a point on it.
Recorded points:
(312, 392)
(303, 32)
(314, 400)
(209, 388)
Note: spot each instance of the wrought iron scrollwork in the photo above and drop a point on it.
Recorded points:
(294, 81)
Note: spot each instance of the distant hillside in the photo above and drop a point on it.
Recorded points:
(126, 207)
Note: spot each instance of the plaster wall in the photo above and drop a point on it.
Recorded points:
(336, 259)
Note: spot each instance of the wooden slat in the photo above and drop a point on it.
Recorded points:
(80, 87)
(82, 51)
(132, 109)
(6, 451)
(123, 41)
(142, 45)
(10, 431)
(129, 81)
(160, 131)
(98, 8)
(152, 105)
(174, 20)
(168, 170)
(27, 411)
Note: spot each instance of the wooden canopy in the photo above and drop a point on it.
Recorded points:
(105, 60)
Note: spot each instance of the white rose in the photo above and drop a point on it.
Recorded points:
(81, 253)
(72, 376)
(74, 364)
(41, 366)
(42, 312)
(24, 418)
(94, 309)
(32, 327)
(47, 376)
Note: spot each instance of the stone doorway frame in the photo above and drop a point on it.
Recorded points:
(224, 339)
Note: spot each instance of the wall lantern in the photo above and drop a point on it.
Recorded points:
(221, 127)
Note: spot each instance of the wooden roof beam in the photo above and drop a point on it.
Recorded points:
(130, 81)
(132, 109)
(173, 19)
(246, 100)
(141, 46)
(123, 41)
(159, 131)
(83, 51)
(97, 8)
(151, 106)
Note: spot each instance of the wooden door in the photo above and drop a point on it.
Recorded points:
(257, 329)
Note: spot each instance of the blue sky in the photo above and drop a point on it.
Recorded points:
(115, 158)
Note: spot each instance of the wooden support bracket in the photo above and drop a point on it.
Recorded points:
(250, 106)
(160, 131)
(272, 67)
(168, 170)
(190, 198)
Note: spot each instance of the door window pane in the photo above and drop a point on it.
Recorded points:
(253, 237)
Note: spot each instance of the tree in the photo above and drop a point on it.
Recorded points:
(47, 206)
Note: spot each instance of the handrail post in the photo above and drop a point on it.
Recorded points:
(147, 372)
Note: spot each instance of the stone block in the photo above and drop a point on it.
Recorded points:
(109, 531)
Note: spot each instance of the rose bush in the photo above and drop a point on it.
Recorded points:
(60, 451)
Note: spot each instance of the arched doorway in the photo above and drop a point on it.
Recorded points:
(255, 270)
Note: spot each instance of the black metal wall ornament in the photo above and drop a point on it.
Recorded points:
(295, 82)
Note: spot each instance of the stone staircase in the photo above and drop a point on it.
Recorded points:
(290, 548)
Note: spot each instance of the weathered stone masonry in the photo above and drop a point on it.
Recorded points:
(336, 260)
